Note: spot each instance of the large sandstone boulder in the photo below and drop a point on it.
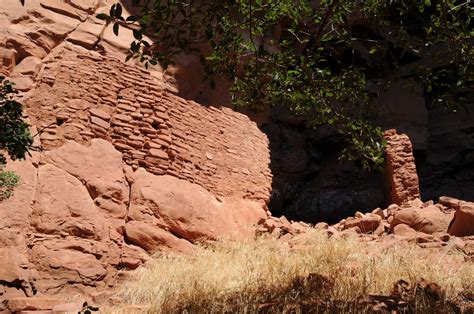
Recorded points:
(153, 238)
(91, 165)
(428, 219)
(463, 222)
(366, 223)
(188, 210)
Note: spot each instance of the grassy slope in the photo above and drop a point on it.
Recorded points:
(240, 276)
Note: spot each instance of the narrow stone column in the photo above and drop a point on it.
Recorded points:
(400, 178)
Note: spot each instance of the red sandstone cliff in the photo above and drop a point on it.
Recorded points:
(127, 169)
(130, 169)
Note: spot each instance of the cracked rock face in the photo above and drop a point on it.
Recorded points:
(56, 236)
(128, 168)
(76, 220)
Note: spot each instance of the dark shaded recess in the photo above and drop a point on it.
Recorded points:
(27, 288)
(310, 184)
(60, 121)
(402, 56)
(309, 181)
(446, 167)
(133, 10)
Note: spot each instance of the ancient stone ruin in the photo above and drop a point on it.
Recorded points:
(129, 168)
(97, 97)
(401, 179)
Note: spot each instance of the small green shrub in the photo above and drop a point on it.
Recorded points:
(15, 137)
(8, 180)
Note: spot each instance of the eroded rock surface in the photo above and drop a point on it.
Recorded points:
(80, 215)
(188, 210)
(463, 221)
(128, 168)
(401, 179)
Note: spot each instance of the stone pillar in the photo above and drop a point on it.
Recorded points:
(400, 178)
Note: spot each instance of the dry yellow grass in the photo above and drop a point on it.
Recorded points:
(237, 275)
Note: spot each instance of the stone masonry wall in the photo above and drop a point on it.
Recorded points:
(82, 95)
(104, 192)
(401, 179)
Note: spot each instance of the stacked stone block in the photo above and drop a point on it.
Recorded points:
(83, 95)
(401, 179)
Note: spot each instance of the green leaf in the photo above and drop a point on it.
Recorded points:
(132, 18)
(134, 47)
(102, 16)
(116, 29)
(137, 34)
(118, 10)
(112, 10)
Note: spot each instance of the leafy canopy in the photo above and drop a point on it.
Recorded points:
(324, 59)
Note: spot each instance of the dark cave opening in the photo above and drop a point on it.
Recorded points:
(310, 183)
